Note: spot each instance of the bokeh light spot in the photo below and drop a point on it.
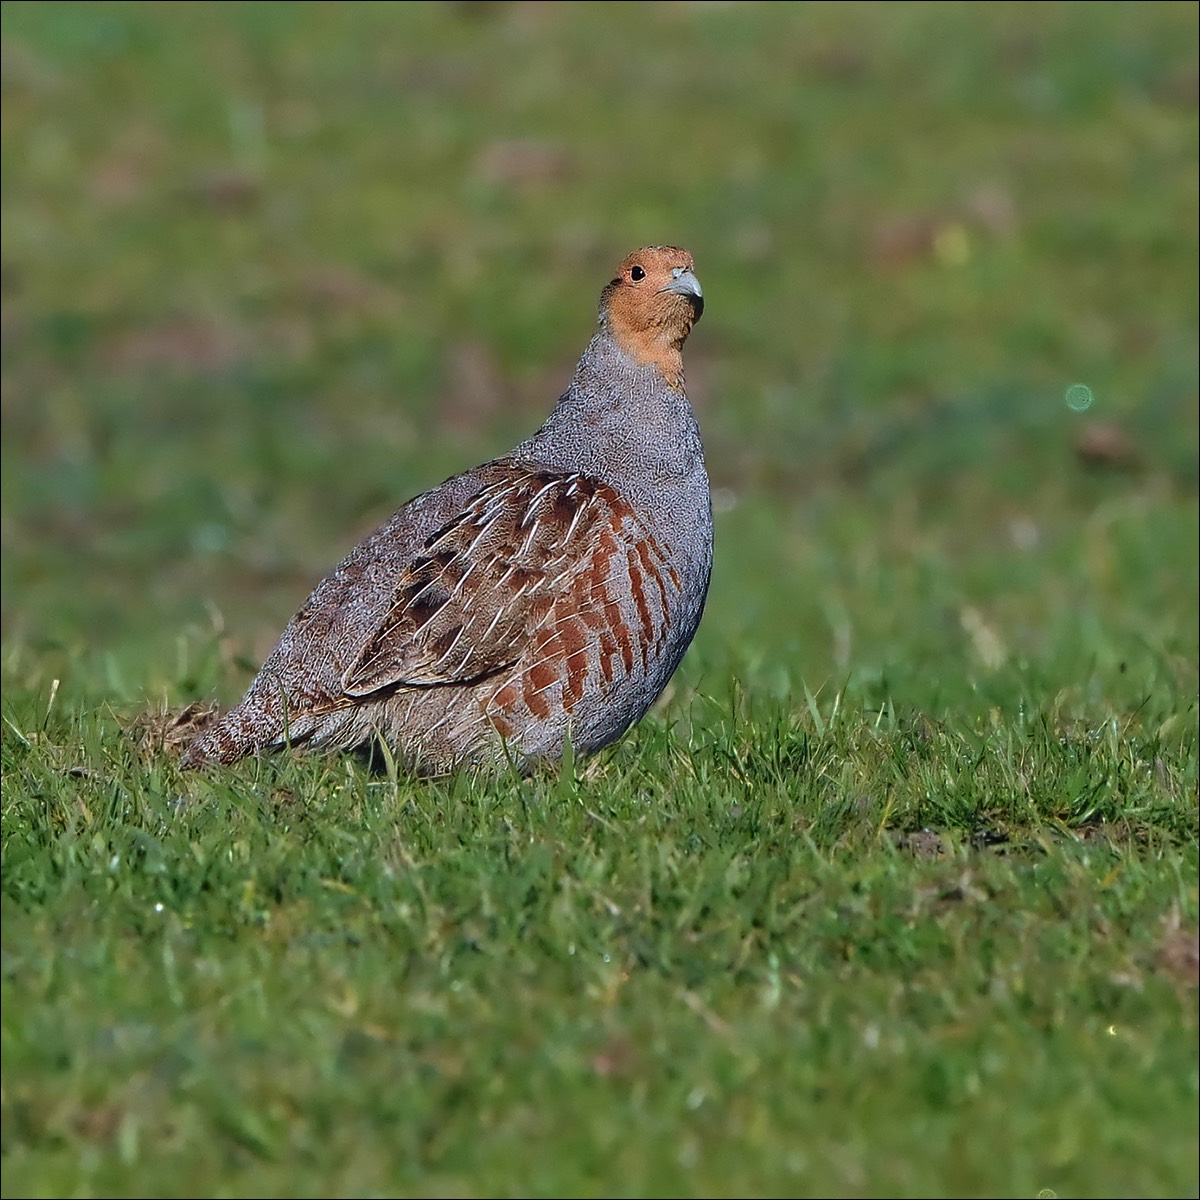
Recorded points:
(1079, 397)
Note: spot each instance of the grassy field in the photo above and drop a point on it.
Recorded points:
(895, 893)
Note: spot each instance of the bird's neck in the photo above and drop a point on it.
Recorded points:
(637, 385)
(620, 415)
(655, 350)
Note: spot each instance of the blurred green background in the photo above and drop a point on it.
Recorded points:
(895, 893)
(271, 269)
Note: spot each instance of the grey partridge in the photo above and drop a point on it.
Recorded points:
(544, 596)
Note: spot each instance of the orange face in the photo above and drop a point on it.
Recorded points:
(651, 305)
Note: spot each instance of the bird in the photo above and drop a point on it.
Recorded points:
(539, 601)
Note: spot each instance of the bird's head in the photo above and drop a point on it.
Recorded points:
(650, 306)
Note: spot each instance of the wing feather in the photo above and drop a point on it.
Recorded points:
(467, 606)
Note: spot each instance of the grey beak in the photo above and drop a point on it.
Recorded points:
(684, 283)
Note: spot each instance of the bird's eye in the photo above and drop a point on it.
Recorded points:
(637, 274)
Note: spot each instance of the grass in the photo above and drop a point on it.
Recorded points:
(895, 893)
